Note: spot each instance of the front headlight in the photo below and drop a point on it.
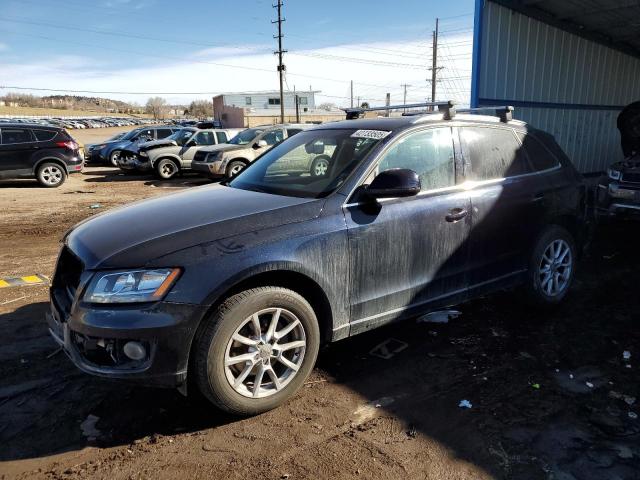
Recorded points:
(131, 286)
(614, 174)
(143, 154)
(98, 147)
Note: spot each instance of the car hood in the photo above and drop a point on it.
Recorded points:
(224, 147)
(134, 235)
(156, 143)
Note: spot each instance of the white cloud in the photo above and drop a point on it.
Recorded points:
(212, 70)
(3, 47)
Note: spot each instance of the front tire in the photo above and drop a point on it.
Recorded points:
(256, 350)
(551, 267)
(51, 175)
(234, 168)
(167, 168)
(320, 166)
(114, 157)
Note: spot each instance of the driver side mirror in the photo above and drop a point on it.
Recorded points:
(315, 148)
(260, 144)
(396, 182)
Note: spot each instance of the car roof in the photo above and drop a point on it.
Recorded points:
(28, 125)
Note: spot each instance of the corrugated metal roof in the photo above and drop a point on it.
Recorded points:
(614, 23)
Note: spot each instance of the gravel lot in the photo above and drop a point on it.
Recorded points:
(551, 394)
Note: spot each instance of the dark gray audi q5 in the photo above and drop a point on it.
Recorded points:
(235, 286)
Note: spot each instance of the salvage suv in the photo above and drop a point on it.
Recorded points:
(44, 152)
(233, 287)
(229, 159)
(172, 155)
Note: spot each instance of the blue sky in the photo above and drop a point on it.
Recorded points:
(205, 46)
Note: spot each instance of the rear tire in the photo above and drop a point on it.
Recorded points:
(167, 168)
(551, 267)
(275, 362)
(51, 175)
(320, 166)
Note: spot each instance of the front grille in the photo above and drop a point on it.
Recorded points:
(66, 280)
(631, 177)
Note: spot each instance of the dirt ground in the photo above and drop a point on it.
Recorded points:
(552, 395)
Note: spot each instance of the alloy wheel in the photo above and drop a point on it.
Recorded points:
(555, 268)
(320, 168)
(265, 353)
(52, 175)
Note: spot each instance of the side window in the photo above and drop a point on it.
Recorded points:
(540, 158)
(222, 137)
(44, 135)
(429, 153)
(273, 137)
(292, 131)
(16, 135)
(204, 138)
(163, 132)
(492, 153)
(145, 135)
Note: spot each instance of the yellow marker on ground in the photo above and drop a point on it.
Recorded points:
(22, 281)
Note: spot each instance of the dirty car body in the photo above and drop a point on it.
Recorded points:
(359, 252)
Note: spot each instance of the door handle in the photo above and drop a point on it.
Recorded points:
(455, 215)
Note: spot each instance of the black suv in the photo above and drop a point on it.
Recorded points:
(236, 285)
(47, 153)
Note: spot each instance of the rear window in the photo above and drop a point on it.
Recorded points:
(45, 135)
(15, 135)
(492, 153)
(539, 156)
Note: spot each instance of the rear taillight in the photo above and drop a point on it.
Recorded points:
(68, 144)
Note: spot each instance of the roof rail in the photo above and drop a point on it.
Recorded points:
(447, 108)
(504, 112)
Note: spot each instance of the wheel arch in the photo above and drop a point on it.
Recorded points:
(55, 160)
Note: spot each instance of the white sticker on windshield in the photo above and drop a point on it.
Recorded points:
(374, 134)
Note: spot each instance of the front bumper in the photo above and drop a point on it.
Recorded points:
(213, 169)
(618, 198)
(93, 337)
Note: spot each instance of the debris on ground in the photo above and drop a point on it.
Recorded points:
(442, 316)
(536, 386)
(94, 206)
(465, 404)
(388, 348)
(89, 429)
(626, 355)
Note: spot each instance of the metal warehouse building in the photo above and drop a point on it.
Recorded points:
(569, 67)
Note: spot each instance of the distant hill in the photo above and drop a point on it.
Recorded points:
(70, 102)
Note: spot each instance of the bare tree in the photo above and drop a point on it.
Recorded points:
(201, 109)
(156, 106)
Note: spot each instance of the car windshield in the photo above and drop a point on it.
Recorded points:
(245, 136)
(131, 134)
(311, 164)
(181, 136)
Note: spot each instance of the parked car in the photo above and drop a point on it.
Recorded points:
(229, 159)
(47, 153)
(618, 192)
(235, 286)
(172, 155)
(89, 148)
(109, 152)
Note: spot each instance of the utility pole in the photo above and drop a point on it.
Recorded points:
(405, 85)
(434, 63)
(351, 93)
(280, 52)
(388, 102)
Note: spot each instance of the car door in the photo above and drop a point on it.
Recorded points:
(508, 202)
(201, 139)
(17, 147)
(409, 254)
